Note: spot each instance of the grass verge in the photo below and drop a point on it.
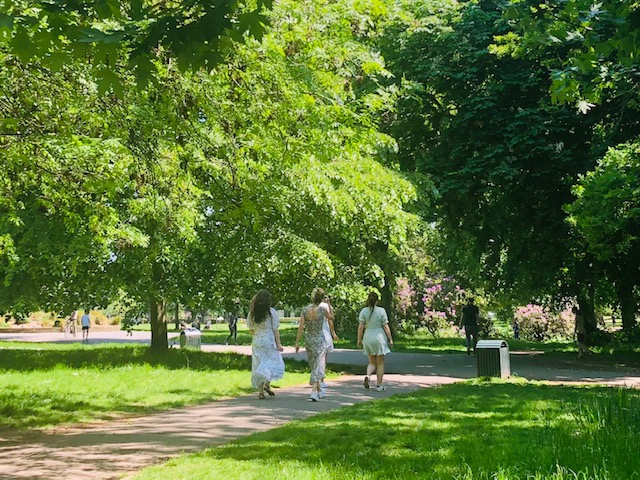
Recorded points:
(44, 385)
(475, 430)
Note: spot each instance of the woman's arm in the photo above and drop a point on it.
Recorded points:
(332, 328)
(387, 330)
(276, 334)
(360, 333)
(330, 318)
(300, 330)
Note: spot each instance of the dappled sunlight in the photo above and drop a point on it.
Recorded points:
(456, 431)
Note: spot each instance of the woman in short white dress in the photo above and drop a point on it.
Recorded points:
(266, 357)
(374, 336)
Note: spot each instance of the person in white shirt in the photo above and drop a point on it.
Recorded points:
(85, 321)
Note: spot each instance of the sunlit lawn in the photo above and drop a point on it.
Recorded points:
(48, 384)
(462, 431)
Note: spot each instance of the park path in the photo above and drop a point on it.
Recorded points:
(117, 448)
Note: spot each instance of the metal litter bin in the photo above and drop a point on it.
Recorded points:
(493, 358)
(191, 338)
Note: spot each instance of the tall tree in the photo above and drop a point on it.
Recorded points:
(594, 68)
(597, 41)
(204, 187)
(502, 157)
(607, 212)
(196, 33)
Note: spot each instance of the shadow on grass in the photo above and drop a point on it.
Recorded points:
(454, 431)
(20, 409)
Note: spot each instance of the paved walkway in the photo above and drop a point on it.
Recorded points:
(112, 449)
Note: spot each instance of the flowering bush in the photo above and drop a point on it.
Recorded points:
(404, 298)
(431, 304)
(538, 324)
(440, 298)
(533, 322)
(562, 325)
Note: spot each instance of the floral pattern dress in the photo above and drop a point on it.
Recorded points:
(266, 361)
(315, 342)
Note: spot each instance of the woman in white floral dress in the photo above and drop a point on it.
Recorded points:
(266, 357)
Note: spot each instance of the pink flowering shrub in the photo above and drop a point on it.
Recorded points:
(562, 325)
(533, 322)
(404, 298)
(538, 324)
(431, 304)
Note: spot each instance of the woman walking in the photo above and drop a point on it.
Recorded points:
(374, 336)
(311, 322)
(266, 360)
(329, 330)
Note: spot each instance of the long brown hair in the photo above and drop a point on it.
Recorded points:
(372, 299)
(259, 306)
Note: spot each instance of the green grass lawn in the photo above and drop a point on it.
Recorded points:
(44, 385)
(466, 431)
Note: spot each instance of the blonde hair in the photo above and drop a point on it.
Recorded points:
(317, 295)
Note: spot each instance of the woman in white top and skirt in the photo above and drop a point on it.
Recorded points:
(374, 336)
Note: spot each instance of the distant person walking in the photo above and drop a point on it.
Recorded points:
(233, 328)
(516, 330)
(266, 357)
(374, 336)
(85, 321)
(312, 320)
(470, 317)
(580, 333)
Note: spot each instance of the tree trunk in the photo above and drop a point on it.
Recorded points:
(177, 315)
(628, 307)
(587, 309)
(159, 339)
(387, 300)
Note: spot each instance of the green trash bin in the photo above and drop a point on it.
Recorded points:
(492, 357)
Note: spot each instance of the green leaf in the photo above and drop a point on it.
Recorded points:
(92, 35)
(109, 81)
(6, 22)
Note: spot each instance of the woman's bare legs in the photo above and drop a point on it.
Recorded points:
(379, 368)
(371, 366)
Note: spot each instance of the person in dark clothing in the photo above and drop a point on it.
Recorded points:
(516, 330)
(470, 317)
(233, 328)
